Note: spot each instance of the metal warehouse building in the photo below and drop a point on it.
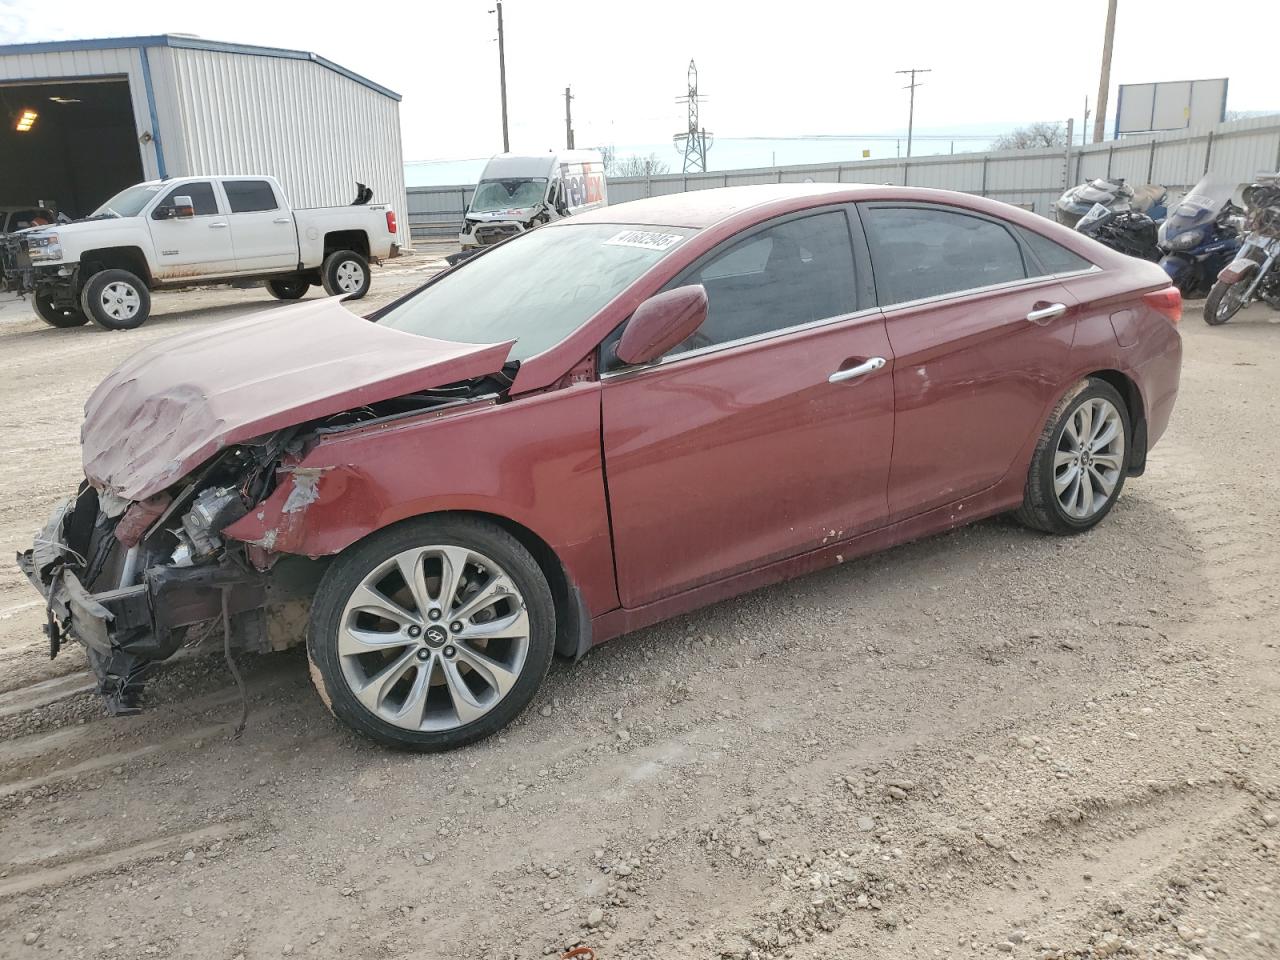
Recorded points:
(109, 113)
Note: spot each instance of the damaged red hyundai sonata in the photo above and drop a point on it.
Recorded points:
(602, 423)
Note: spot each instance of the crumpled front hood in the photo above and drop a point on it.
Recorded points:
(175, 403)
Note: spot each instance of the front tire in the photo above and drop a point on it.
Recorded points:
(116, 300)
(55, 316)
(431, 634)
(288, 288)
(1080, 461)
(1225, 300)
(345, 274)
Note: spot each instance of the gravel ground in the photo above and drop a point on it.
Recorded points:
(989, 743)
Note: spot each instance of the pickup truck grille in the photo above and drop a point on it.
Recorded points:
(490, 233)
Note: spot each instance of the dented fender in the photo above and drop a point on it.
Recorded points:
(504, 460)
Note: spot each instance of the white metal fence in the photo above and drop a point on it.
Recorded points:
(1028, 178)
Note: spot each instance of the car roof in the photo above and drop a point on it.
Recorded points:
(702, 208)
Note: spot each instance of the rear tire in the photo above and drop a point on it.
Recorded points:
(345, 274)
(421, 665)
(1221, 305)
(56, 316)
(1080, 462)
(116, 300)
(288, 288)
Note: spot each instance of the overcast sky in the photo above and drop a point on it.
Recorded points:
(767, 69)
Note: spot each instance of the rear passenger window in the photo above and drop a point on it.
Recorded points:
(794, 273)
(1053, 256)
(918, 253)
(201, 194)
(249, 196)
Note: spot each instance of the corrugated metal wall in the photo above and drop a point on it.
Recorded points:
(1033, 179)
(314, 129)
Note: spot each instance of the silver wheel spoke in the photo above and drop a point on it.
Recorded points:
(414, 707)
(1086, 495)
(1063, 457)
(1107, 461)
(497, 674)
(514, 625)
(375, 691)
(465, 703)
(1084, 424)
(1105, 485)
(415, 576)
(368, 599)
(486, 596)
(352, 641)
(453, 560)
(1065, 479)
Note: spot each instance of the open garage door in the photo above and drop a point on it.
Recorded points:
(71, 145)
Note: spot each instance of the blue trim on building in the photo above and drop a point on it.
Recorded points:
(151, 107)
(189, 43)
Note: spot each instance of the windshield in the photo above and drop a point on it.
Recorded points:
(1203, 202)
(495, 195)
(536, 289)
(129, 202)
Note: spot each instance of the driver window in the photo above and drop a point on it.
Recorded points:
(794, 273)
(201, 194)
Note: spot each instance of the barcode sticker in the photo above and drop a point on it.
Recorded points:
(644, 240)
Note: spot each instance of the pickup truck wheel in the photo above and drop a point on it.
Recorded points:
(431, 634)
(288, 288)
(116, 300)
(56, 316)
(345, 274)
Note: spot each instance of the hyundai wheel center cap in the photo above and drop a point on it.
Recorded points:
(436, 635)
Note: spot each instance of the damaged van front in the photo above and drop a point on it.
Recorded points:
(184, 441)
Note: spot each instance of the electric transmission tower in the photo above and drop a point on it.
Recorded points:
(695, 140)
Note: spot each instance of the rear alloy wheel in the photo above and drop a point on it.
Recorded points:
(433, 634)
(288, 288)
(345, 274)
(1225, 300)
(58, 316)
(1080, 462)
(116, 300)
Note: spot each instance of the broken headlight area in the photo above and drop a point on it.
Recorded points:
(136, 581)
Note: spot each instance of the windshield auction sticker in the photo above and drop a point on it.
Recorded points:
(644, 239)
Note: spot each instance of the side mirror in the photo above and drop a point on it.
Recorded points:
(183, 208)
(661, 322)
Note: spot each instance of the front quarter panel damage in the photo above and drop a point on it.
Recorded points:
(535, 461)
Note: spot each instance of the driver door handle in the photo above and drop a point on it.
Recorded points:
(217, 226)
(1043, 315)
(861, 370)
(282, 220)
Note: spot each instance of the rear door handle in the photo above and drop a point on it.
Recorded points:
(1043, 315)
(861, 370)
(217, 226)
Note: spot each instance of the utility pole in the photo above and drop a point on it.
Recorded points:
(694, 138)
(568, 119)
(911, 110)
(1084, 128)
(1104, 79)
(502, 77)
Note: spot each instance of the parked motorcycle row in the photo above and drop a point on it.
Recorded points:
(1209, 246)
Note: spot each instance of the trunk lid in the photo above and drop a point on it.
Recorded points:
(177, 402)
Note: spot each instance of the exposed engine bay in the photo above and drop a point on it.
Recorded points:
(136, 581)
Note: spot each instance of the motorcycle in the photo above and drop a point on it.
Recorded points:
(1253, 274)
(1114, 194)
(1201, 236)
(1122, 230)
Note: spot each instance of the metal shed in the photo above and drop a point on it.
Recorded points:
(113, 112)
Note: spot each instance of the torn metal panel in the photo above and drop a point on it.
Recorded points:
(175, 403)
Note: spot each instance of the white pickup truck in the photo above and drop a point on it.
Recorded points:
(189, 231)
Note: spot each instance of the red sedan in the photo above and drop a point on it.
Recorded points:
(605, 422)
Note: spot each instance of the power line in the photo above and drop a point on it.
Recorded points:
(694, 138)
(911, 110)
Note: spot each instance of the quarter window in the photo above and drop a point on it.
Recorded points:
(794, 273)
(1053, 256)
(249, 196)
(923, 252)
(201, 194)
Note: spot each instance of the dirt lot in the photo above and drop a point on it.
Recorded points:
(990, 743)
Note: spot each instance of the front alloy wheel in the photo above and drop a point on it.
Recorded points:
(428, 639)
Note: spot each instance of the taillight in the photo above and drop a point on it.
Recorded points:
(1167, 302)
(391, 221)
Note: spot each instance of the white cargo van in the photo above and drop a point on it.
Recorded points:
(517, 193)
